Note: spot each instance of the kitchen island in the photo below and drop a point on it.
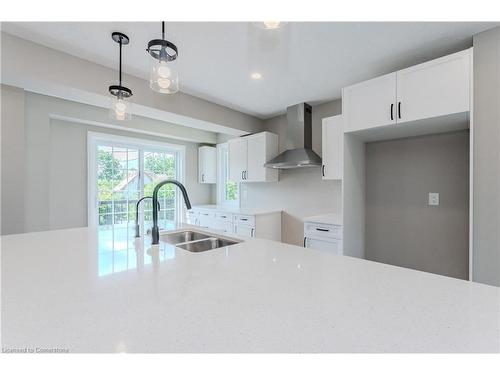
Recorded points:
(255, 296)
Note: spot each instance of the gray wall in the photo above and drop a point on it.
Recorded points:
(13, 159)
(42, 152)
(299, 192)
(401, 228)
(486, 206)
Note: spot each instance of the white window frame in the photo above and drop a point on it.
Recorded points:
(221, 193)
(94, 139)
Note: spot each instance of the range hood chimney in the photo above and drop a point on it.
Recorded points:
(298, 144)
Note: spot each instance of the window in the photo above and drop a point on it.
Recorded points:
(227, 191)
(121, 170)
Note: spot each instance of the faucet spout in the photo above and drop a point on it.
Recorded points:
(137, 229)
(155, 232)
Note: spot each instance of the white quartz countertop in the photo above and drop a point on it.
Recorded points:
(236, 210)
(334, 219)
(68, 289)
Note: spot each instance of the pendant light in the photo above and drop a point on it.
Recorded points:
(163, 75)
(120, 106)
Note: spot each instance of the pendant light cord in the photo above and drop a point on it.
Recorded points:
(163, 30)
(120, 61)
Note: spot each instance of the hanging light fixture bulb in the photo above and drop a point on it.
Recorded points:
(163, 75)
(120, 106)
(269, 25)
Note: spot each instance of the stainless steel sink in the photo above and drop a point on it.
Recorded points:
(195, 242)
(206, 244)
(181, 237)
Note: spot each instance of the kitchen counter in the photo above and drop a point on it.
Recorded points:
(257, 296)
(334, 219)
(236, 210)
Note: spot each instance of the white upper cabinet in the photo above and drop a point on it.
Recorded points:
(370, 103)
(247, 156)
(262, 147)
(432, 89)
(207, 165)
(435, 88)
(333, 144)
(237, 150)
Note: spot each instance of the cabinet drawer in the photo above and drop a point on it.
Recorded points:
(322, 230)
(223, 216)
(207, 214)
(244, 219)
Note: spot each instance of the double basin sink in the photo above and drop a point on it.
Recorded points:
(195, 242)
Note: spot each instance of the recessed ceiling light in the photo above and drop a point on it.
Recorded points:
(256, 75)
(269, 25)
(272, 24)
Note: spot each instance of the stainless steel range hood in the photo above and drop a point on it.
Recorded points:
(299, 151)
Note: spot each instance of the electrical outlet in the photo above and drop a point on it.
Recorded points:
(433, 199)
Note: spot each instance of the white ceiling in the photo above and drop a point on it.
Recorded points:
(299, 62)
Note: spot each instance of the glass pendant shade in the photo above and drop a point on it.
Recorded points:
(163, 76)
(120, 108)
(163, 72)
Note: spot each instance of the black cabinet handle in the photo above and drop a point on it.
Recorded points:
(399, 109)
(323, 230)
(252, 233)
(246, 175)
(323, 170)
(242, 172)
(305, 238)
(392, 111)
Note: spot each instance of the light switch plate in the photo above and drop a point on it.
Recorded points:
(433, 199)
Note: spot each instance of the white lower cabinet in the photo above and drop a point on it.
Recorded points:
(262, 225)
(206, 219)
(323, 236)
(223, 222)
(330, 246)
(244, 230)
(192, 217)
(223, 226)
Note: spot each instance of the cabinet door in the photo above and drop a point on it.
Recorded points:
(244, 230)
(333, 148)
(237, 155)
(223, 226)
(206, 220)
(192, 217)
(207, 165)
(370, 104)
(331, 246)
(435, 88)
(256, 158)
